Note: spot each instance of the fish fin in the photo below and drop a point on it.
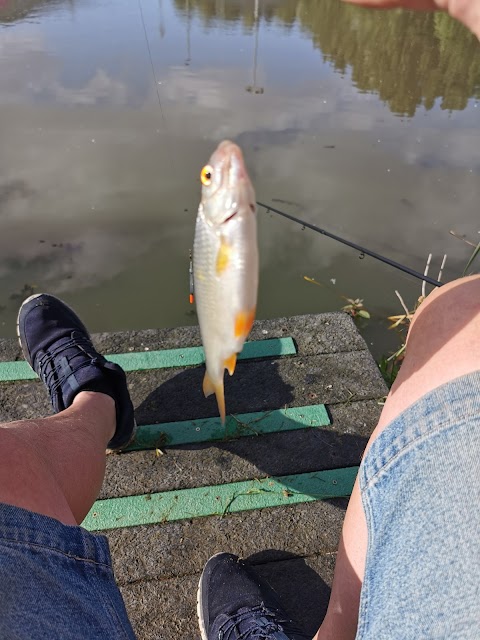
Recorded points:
(230, 363)
(223, 257)
(243, 323)
(210, 387)
(219, 394)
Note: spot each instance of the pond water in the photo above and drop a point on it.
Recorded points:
(365, 123)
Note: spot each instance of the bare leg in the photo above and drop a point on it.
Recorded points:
(443, 343)
(55, 466)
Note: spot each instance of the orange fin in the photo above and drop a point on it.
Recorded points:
(230, 363)
(210, 387)
(223, 257)
(243, 323)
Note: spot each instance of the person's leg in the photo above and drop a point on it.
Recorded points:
(443, 344)
(55, 466)
(56, 578)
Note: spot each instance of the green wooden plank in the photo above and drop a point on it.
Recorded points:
(165, 359)
(151, 436)
(169, 506)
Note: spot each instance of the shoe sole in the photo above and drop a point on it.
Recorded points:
(32, 297)
(110, 452)
(201, 620)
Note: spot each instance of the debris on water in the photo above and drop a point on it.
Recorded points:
(407, 203)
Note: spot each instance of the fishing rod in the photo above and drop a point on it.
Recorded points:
(363, 251)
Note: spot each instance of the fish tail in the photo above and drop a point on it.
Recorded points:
(210, 387)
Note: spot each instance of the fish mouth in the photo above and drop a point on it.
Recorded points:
(229, 159)
(231, 190)
(230, 217)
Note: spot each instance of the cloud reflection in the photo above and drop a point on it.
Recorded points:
(95, 179)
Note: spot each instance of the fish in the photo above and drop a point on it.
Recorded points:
(225, 264)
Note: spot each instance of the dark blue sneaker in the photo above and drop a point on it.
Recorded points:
(57, 346)
(234, 603)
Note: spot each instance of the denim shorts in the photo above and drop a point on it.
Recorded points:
(420, 486)
(56, 581)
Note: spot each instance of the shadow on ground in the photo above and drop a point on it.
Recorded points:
(252, 388)
(257, 388)
(302, 591)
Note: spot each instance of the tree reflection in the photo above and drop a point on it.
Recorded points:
(409, 59)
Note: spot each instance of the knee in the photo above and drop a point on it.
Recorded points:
(447, 311)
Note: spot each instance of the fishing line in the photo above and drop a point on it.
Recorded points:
(164, 121)
(363, 251)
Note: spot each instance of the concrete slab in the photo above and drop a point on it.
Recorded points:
(158, 566)
(200, 465)
(176, 394)
(314, 333)
(170, 550)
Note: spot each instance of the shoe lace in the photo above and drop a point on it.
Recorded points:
(45, 365)
(257, 623)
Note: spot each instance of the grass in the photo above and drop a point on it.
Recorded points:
(390, 364)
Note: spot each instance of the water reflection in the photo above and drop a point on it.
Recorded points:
(108, 112)
(408, 59)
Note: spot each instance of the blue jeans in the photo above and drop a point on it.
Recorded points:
(420, 484)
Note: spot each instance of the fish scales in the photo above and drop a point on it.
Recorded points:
(225, 264)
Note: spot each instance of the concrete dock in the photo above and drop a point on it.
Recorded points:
(303, 402)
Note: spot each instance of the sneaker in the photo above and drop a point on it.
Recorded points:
(234, 603)
(57, 346)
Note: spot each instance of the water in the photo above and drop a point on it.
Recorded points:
(366, 123)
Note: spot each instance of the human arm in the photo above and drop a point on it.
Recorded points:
(466, 11)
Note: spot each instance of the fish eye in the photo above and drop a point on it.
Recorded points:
(206, 175)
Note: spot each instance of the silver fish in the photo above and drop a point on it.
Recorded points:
(225, 263)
